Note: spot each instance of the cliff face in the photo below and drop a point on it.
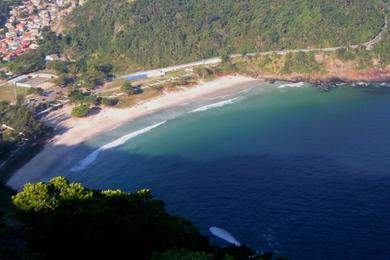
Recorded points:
(323, 67)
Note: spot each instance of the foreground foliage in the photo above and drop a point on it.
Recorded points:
(62, 216)
(63, 220)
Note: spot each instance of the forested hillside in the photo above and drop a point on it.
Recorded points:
(148, 33)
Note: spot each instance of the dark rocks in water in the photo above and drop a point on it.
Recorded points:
(330, 84)
(326, 86)
(336, 81)
(272, 81)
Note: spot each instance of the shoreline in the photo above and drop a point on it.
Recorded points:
(71, 132)
(331, 78)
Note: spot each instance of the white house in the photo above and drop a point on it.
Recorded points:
(52, 57)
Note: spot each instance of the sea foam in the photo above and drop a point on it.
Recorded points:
(87, 161)
(224, 235)
(293, 85)
(215, 105)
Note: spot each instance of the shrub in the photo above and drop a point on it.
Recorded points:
(110, 102)
(127, 88)
(80, 111)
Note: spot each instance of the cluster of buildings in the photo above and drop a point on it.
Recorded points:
(26, 21)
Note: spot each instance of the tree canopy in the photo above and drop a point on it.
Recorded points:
(63, 216)
(5, 8)
(67, 220)
(80, 111)
(148, 33)
(17, 122)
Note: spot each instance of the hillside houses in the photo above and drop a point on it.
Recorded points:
(25, 23)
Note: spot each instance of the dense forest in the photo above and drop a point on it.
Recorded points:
(147, 33)
(62, 220)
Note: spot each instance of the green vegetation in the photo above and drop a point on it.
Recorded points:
(147, 33)
(227, 64)
(301, 62)
(109, 102)
(345, 54)
(364, 58)
(4, 10)
(181, 254)
(32, 61)
(35, 91)
(21, 135)
(80, 111)
(11, 94)
(62, 220)
(127, 88)
(85, 99)
(19, 125)
(206, 72)
(10, 233)
(81, 74)
(102, 37)
(35, 60)
(383, 47)
(77, 96)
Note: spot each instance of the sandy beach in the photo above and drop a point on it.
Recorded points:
(71, 132)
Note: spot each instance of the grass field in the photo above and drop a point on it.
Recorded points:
(7, 92)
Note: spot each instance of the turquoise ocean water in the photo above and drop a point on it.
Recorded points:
(289, 168)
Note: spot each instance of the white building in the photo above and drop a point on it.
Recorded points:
(52, 57)
(19, 79)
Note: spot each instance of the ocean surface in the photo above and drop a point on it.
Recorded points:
(283, 167)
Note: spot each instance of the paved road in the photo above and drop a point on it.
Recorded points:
(368, 45)
(377, 38)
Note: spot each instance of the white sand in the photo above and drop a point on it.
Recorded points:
(72, 132)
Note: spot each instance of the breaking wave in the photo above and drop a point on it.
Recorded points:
(87, 161)
(215, 105)
(293, 85)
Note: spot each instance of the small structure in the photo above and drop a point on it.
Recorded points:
(52, 57)
(136, 76)
(19, 79)
(144, 75)
(31, 80)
